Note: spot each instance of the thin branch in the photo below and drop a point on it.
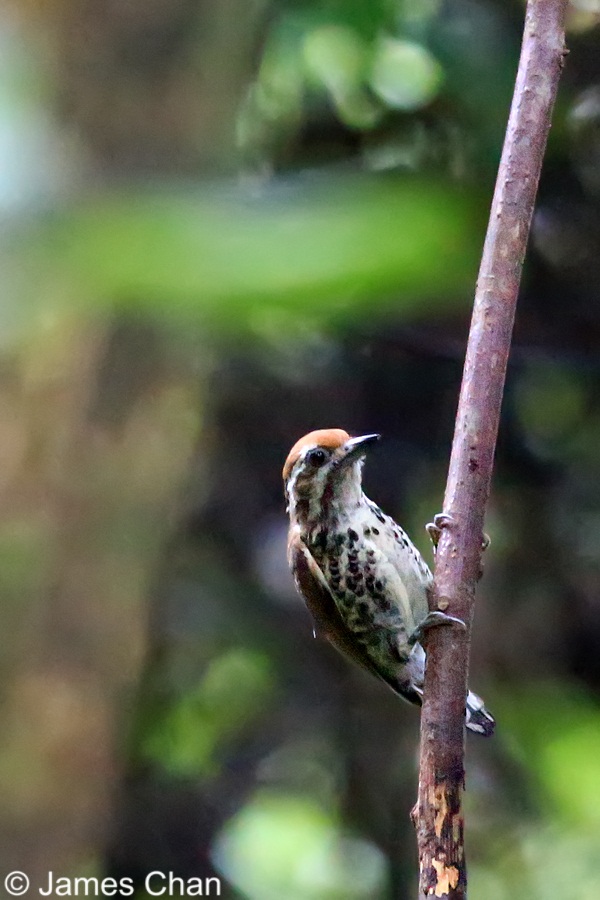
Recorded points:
(438, 814)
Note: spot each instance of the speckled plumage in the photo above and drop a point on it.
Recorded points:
(362, 578)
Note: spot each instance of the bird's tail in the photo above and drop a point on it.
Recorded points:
(479, 719)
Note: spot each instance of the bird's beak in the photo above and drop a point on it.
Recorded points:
(357, 447)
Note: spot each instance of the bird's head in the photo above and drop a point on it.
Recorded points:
(322, 474)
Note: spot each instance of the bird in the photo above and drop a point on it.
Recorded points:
(364, 582)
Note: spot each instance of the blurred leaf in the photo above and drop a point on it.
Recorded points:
(405, 74)
(559, 728)
(571, 769)
(190, 738)
(280, 79)
(554, 731)
(358, 109)
(287, 846)
(336, 57)
(308, 246)
(549, 863)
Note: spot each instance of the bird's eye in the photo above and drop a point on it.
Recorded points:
(317, 457)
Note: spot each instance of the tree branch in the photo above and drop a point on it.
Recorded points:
(439, 820)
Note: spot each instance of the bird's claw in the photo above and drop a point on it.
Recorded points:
(434, 529)
(433, 620)
(443, 520)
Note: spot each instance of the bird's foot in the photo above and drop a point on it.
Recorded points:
(433, 620)
(485, 543)
(443, 520)
(434, 529)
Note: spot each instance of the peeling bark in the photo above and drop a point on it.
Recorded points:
(438, 816)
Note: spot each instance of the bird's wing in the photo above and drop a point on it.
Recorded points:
(321, 604)
(405, 575)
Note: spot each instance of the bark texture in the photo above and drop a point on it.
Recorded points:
(438, 815)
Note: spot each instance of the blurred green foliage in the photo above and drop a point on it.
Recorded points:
(190, 736)
(232, 260)
(281, 844)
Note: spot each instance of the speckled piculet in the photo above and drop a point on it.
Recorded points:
(363, 580)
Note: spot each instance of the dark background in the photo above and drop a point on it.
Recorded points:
(225, 223)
